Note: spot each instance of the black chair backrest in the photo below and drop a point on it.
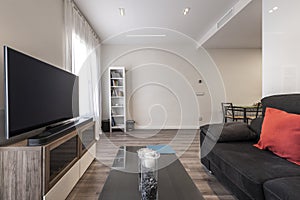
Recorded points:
(258, 110)
(225, 107)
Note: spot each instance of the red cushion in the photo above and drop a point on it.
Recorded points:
(281, 134)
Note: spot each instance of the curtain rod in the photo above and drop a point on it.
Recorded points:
(85, 20)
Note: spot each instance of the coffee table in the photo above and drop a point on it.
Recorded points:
(174, 183)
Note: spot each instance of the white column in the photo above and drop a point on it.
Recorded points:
(281, 47)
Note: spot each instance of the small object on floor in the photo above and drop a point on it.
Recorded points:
(130, 125)
(105, 125)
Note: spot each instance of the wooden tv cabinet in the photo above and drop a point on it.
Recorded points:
(48, 171)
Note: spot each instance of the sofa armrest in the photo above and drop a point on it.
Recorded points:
(229, 132)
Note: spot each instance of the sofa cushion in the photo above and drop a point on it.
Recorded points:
(281, 134)
(255, 125)
(282, 188)
(249, 167)
(228, 132)
(287, 102)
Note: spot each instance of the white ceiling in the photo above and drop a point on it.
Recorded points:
(242, 31)
(158, 17)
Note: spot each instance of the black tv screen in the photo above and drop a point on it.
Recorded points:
(37, 94)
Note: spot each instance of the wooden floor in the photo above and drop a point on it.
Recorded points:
(184, 142)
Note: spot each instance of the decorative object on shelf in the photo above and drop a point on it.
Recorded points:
(117, 98)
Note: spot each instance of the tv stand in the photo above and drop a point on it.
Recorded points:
(57, 164)
(55, 132)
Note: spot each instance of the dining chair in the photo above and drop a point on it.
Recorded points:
(256, 112)
(239, 113)
(227, 111)
(235, 113)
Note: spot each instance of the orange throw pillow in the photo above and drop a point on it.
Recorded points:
(281, 134)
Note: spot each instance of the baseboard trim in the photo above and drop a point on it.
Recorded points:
(166, 127)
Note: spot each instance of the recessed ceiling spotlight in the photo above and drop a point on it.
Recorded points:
(186, 11)
(122, 11)
(273, 9)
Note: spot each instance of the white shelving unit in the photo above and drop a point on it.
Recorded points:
(117, 98)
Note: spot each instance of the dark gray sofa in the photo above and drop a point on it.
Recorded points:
(251, 173)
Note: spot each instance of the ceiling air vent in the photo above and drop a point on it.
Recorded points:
(225, 18)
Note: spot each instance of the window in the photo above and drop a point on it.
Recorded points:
(79, 53)
(83, 59)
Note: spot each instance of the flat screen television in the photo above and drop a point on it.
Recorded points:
(37, 94)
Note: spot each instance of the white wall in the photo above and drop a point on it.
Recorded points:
(162, 85)
(157, 82)
(34, 27)
(281, 47)
(241, 70)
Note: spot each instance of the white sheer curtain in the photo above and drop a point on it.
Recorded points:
(83, 58)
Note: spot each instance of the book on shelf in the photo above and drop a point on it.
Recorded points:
(115, 83)
(117, 93)
(116, 74)
(113, 122)
(113, 93)
(120, 93)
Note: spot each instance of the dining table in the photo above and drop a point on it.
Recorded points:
(246, 112)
